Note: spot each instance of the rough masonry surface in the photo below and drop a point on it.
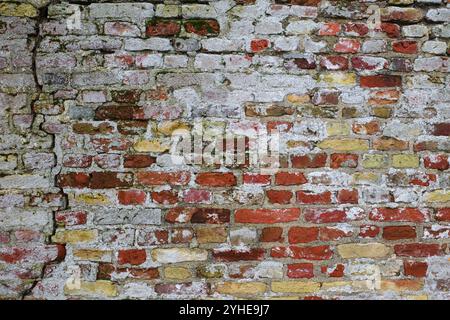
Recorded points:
(93, 205)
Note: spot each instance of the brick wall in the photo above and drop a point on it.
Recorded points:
(93, 204)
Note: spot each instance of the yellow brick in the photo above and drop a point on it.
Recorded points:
(344, 145)
(362, 250)
(405, 161)
(365, 177)
(169, 127)
(338, 78)
(242, 288)
(438, 196)
(92, 199)
(295, 286)
(335, 285)
(97, 288)
(382, 112)
(92, 255)
(296, 99)
(178, 273)
(417, 297)
(211, 235)
(374, 161)
(338, 129)
(359, 285)
(74, 236)
(174, 255)
(291, 144)
(402, 285)
(150, 146)
(18, 10)
(285, 298)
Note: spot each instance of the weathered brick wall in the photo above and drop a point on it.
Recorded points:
(358, 209)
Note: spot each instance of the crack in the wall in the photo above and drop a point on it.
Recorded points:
(349, 257)
(42, 17)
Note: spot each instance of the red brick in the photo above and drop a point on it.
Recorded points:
(419, 250)
(206, 27)
(132, 256)
(216, 179)
(371, 127)
(131, 197)
(369, 231)
(271, 234)
(443, 214)
(162, 178)
(333, 234)
(279, 126)
(309, 161)
(238, 255)
(399, 214)
(106, 180)
(105, 271)
(279, 196)
(438, 162)
(364, 63)
(380, 81)
(258, 45)
(399, 232)
(336, 271)
(326, 97)
(343, 160)
(73, 180)
(250, 178)
(415, 268)
(319, 215)
(334, 63)
(300, 270)
(356, 29)
(347, 46)
(71, 218)
(422, 179)
(306, 253)
(442, 129)
(329, 29)
(303, 234)
(347, 196)
(392, 30)
(165, 197)
(126, 96)
(182, 235)
(266, 215)
(196, 196)
(77, 161)
(120, 113)
(304, 63)
(198, 215)
(405, 46)
(138, 161)
(162, 28)
(289, 178)
(35, 254)
(153, 237)
(308, 197)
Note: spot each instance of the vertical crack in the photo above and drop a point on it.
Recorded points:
(40, 19)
